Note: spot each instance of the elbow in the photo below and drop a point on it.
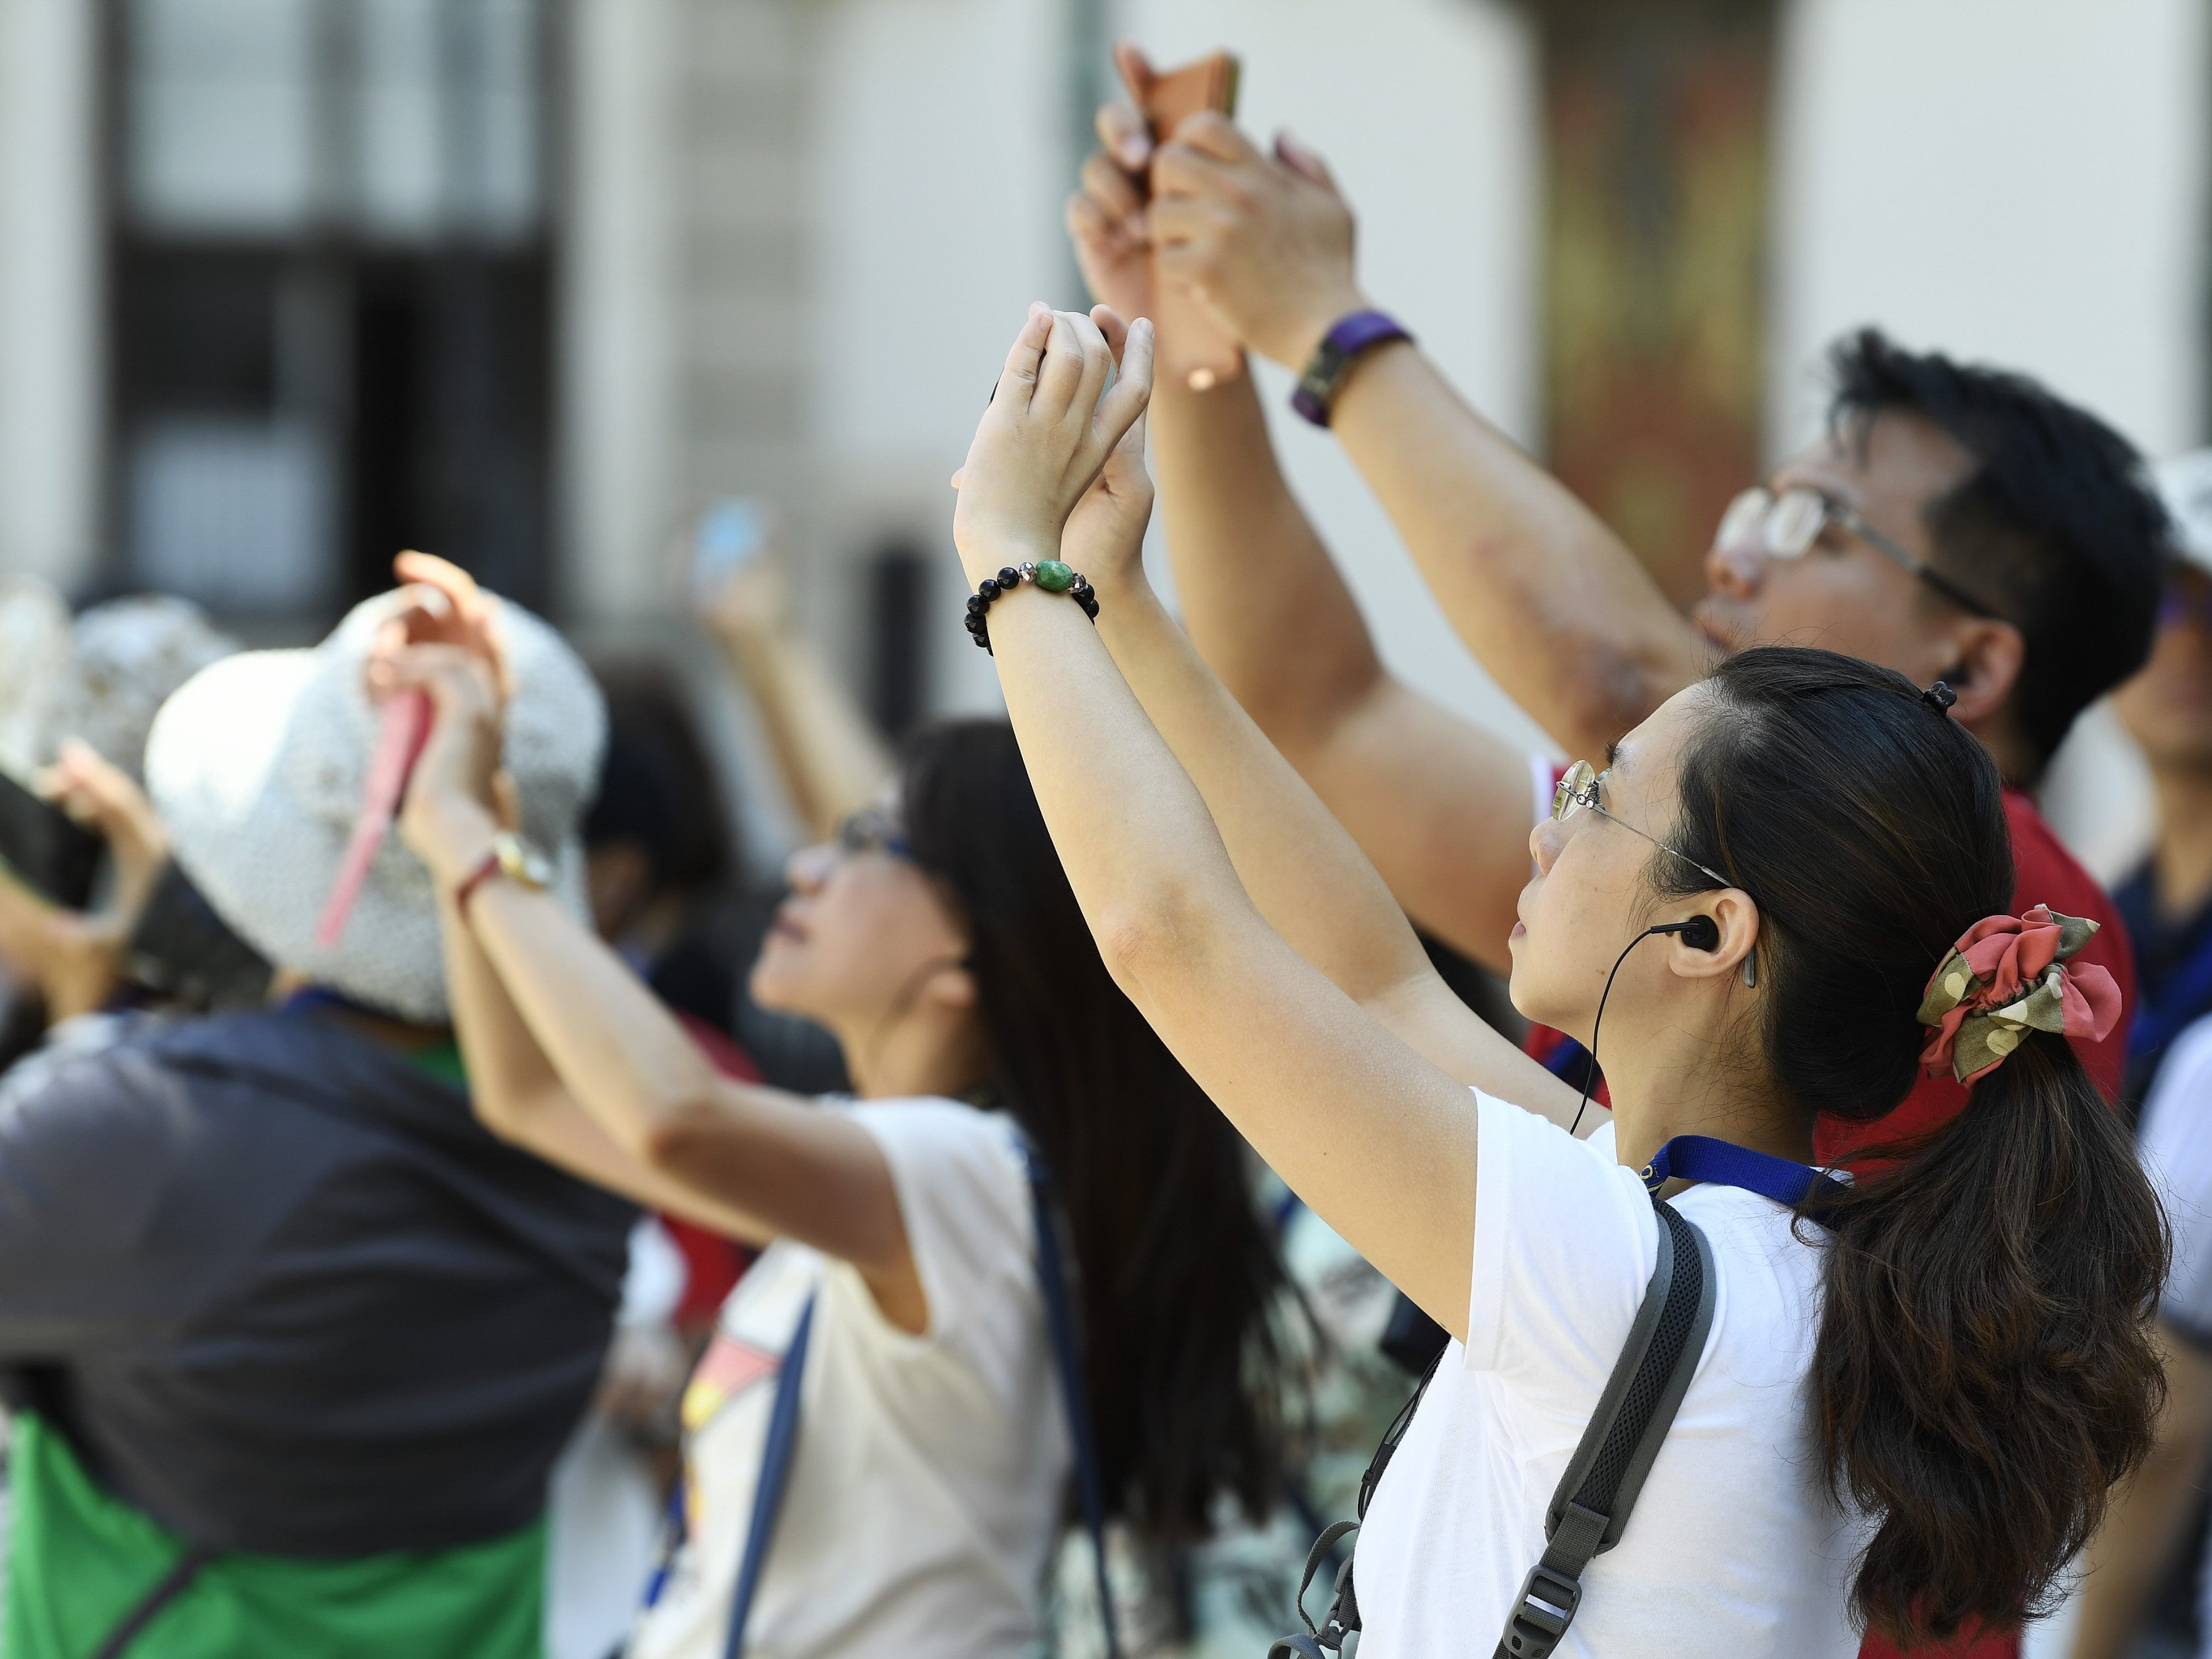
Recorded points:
(1146, 943)
(671, 1130)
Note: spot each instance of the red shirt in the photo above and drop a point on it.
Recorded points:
(2043, 872)
(712, 1264)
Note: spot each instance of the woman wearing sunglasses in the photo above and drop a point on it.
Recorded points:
(1787, 892)
(904, 1498)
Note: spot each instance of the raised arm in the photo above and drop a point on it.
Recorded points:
(1437, 803)
(1335, 1103)
(829, 759)
(1296, 861)
(568, 1033)
(1550, 600)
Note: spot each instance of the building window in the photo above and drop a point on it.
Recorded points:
(332, 257)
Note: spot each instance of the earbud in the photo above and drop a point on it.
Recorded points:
(1698, 932)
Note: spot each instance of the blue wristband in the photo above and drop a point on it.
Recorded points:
(1347, 338)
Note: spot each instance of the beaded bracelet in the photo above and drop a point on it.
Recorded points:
(1050, 574)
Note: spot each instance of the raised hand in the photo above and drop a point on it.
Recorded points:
(446, 608)
(1105, 534)
(1051, 425)
(1265, 242)
(456, 799)
(1106, 214)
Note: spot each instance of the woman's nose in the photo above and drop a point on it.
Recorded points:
(1544, 843)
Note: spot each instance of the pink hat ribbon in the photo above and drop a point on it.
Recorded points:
(2006, 976)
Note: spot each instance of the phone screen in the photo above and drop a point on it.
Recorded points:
(49, 851)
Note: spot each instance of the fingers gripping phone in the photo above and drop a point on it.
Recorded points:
(48, 850)
(1192, 346)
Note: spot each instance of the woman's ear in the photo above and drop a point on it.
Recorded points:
(1737, 919)
(953, 986)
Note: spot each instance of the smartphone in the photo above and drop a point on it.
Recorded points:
(728, 535)
(1192, 347)
(50, 851)
(182, 948)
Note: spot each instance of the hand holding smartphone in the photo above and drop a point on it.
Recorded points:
(49, 851)
(1193, 349)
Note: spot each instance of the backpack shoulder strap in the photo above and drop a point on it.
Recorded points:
(1592, 1504)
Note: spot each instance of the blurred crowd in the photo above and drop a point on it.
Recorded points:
(450, 1206)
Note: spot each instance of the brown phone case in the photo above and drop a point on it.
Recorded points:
(1192, 347)
(1208, 84)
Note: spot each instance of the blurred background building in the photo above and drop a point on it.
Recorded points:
(287, 284)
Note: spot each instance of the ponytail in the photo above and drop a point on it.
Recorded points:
(1984, 1371)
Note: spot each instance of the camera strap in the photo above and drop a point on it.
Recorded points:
(1590, 1506)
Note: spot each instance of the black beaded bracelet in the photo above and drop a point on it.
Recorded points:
(1050, 574)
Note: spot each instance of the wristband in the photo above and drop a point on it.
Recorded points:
(1050, 574)
(510, 856)
(1346, 339)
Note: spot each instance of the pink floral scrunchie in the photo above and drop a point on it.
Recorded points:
(2007, 976)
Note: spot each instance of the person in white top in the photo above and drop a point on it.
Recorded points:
(1916, 1390)
(926, 1482)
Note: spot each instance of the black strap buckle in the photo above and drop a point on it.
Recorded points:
(1541, 1613)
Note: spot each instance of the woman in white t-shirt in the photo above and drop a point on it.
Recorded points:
(1914, 1396)
(938, 938)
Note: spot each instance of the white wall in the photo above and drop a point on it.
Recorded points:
(2020, 180)
(619, 444)
(941, 163)
(50, 303)
(1426, 112)
(938, 162)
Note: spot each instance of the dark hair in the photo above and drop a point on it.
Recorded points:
(2055, 528)
(1180, 1280)
(1984, 1370)
(658, 789)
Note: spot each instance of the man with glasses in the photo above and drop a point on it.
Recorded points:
(1953, 522)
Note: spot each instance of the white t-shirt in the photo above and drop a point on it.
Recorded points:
(2175, 1142)
(1734, 1547)
(926, 1484)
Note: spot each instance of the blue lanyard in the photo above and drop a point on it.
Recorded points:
(1723, 1162)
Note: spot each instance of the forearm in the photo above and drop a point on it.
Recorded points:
(1292, 858)
(516, 1093)
(829, 758)
(760, 1163)
(1297, 862)
(1340, 1108)
(1264, 602)
(1554, 605)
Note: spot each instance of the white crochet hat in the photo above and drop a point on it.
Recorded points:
(256, 767)
(100, 678)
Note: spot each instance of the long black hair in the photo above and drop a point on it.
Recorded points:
(1180, 1279)
(1984, 1370)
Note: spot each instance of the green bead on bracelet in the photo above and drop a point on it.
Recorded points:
(1053, 575)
